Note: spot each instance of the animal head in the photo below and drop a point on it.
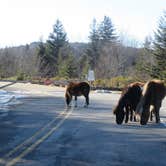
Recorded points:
(119, 112)
(144, 117)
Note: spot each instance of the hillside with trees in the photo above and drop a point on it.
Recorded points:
(104, 53)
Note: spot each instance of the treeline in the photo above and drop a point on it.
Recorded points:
(104, 53)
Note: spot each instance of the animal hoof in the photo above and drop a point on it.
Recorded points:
(143, 123)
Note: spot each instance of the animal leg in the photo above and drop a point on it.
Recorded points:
(87, 101)
(157, 109)
(135, 119)
(131, 115)
(134, 113)
(151, 115)
(127, 114)
(75, 101)
(68, 100)
(145, 115)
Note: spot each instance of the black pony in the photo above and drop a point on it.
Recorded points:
(77, 89)
(153, 93)
(128, 102)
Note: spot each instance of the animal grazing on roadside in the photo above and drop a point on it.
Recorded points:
(128, 102)
(153, 93)
(77, 89)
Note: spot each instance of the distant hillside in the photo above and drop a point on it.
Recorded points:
(79, 49)
(119, 60)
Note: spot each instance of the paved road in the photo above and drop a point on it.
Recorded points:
(41, 132)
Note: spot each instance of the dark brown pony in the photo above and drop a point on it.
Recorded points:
(128, 102)
(153, 93)
(77, 89)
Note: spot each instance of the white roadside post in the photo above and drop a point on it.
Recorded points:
(91, 77)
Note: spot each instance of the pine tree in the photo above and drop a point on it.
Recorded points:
(94, 33)
(42, 58)
(68, 67)
(84, 66)
(145, 62)
(93, 49)
(101, 37)
(159, 70)
(57, 39)
(107, 30)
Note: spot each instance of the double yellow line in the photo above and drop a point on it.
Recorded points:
(8, 160)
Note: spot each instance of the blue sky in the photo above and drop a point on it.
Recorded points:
(26, 21)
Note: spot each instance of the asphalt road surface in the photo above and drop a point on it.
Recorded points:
(40, 131)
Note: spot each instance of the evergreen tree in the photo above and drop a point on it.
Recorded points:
(145, 61)
(107, 30)
(101, 38)
(57, 39)
(67, 67)
(94, 33)
(83, 66)
(42, 58)
(71, 67)
(93, 49)
(159, 70)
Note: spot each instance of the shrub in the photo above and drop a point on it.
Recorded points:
(20, 77)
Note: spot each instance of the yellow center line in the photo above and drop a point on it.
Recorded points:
(2, 160)
(38, 142)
